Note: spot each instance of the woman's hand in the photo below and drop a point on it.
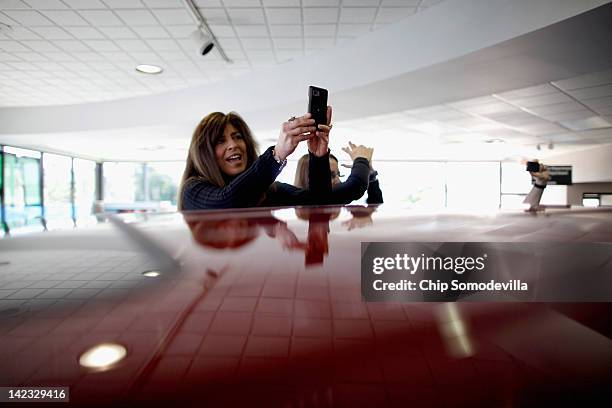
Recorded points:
(319, 141)
(292, 133)
(359, 151)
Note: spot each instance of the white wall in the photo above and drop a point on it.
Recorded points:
(589, 166)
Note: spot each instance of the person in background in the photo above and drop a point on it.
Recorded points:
(540, 179)
(223, 169)
(346, 188)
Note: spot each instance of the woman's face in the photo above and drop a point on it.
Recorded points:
(335, 172)
(230, 151)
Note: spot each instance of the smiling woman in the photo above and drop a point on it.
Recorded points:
(224, 171)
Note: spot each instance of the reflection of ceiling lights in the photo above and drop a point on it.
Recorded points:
(149, 69)
(103, 356)
(454, 332)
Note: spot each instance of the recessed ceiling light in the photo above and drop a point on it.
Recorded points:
(149, 69)
(152, 148)
(103, 356)
(151, 274)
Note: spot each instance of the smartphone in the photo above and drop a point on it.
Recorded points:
(317, 104)
(533, 166)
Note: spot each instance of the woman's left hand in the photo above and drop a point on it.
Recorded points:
(317, 144)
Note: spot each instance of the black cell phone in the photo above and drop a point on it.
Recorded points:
(317, 104)
(533, 166)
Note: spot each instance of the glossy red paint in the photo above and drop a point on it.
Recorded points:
(264, 309)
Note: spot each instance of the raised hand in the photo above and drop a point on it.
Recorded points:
(292, 133)
(319, 141)
(359, 151)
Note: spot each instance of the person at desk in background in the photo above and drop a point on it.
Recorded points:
(223, 170)
(347, 188)
(540, 179)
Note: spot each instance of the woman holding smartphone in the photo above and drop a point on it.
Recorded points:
(223, 169)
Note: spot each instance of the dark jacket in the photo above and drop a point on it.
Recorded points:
(255, 187)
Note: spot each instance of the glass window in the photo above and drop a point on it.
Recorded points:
(472, 185)
(57, 182)
(22, 195)
(84, 190)
(19, 152)
(3, 226)
(163, 179)
(410, 184)
(513, 201)
(515, 180)
(123, 182)
(590, 202)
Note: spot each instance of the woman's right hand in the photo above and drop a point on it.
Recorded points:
(359, 151)
(292, 133)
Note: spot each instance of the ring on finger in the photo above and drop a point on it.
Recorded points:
(291, 119)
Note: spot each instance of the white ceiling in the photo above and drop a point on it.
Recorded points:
(536, 121)
(570, 113)
(75, 51)
(487, 84)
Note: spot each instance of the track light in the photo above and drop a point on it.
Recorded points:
(204, 36)
(203, 42)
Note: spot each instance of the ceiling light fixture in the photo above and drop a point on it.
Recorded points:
(203, 42)
(204, 35)
(149, 69)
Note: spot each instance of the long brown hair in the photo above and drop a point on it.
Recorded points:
(201, 161)
(301, 171)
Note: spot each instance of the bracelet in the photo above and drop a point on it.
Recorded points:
(539, 186)
(281, 163)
